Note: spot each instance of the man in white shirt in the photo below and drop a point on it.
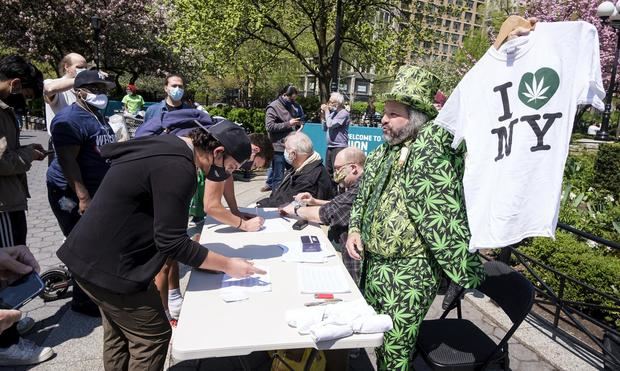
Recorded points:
(58, 93)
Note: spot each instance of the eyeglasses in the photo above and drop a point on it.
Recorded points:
(95, 90)
(343, 165)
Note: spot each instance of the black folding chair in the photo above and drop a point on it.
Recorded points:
(458, 344)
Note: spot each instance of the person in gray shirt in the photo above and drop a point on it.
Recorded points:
(336, 122)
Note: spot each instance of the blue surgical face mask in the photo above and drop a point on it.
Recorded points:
(176, 94)
(288, 158)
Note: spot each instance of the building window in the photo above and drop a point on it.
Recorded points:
(470, 4)
(468, 16)
(455, 38)
(466, 28)
(456, 26)
(445, 48)
(427, 44)
(446, 23)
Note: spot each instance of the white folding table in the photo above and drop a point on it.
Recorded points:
(209, 327)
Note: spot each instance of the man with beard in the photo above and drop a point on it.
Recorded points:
(409, 216)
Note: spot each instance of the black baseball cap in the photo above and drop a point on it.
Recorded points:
(92, 77)
(234, 139)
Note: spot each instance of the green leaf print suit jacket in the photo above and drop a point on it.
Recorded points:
(429, 172)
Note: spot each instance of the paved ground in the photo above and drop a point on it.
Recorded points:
(77, 339)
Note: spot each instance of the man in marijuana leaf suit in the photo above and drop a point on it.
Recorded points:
(409, 216)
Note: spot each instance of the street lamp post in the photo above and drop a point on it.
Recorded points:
(95, 22)
(608, 12)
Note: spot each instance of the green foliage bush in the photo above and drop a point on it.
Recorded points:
(359, 107)
(587, 201)
(379, 106)
(579, 170)
(575, 258)
(253, 119)
(607, 166)
(311, 106)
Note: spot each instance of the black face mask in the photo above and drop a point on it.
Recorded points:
(247, 166)
(217, 173)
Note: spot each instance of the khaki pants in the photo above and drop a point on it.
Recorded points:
(136, 331)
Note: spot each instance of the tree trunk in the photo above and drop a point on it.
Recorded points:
(118, 88)
(134, 77)
(324, 89)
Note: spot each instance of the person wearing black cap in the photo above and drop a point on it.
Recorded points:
(136, 221)
(74, 175)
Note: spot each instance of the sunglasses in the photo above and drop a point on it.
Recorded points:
(95, 90)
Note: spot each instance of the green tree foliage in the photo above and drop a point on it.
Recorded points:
(475, 44)
(607, 168)
(257, 34)
(129, 38)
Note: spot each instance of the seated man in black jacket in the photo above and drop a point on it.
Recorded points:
(307, 175)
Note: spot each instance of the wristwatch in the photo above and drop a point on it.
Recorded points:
(296, 206)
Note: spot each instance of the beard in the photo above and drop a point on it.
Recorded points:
(397, 137)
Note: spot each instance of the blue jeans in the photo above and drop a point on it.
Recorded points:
(67, 214)
(278, 167)
(269, 176)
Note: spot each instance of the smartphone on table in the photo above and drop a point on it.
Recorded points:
(310, 244)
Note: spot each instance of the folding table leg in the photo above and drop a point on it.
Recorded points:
(311, 357)
(244, 364)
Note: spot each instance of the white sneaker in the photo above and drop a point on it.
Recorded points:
(24, 353)
(174, 305)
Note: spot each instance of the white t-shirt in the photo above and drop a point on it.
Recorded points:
(515, 110)
(59, 101)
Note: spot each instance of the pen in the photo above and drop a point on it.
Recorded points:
(328, 301)
(288, 220)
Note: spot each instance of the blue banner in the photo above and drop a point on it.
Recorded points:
(362, 137)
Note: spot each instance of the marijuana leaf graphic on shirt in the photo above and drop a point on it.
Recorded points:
(536, 89)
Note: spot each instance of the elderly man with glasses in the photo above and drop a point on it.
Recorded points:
(348, 170)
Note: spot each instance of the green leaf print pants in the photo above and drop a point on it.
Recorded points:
(404, 289)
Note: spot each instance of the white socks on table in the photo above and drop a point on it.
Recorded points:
(335, 321)
(175, 301)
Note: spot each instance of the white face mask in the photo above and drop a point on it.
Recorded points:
(99, 101)
(288, 158)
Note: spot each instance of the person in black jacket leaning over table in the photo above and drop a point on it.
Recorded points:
(138, 219)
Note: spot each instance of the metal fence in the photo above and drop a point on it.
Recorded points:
(603, 338)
